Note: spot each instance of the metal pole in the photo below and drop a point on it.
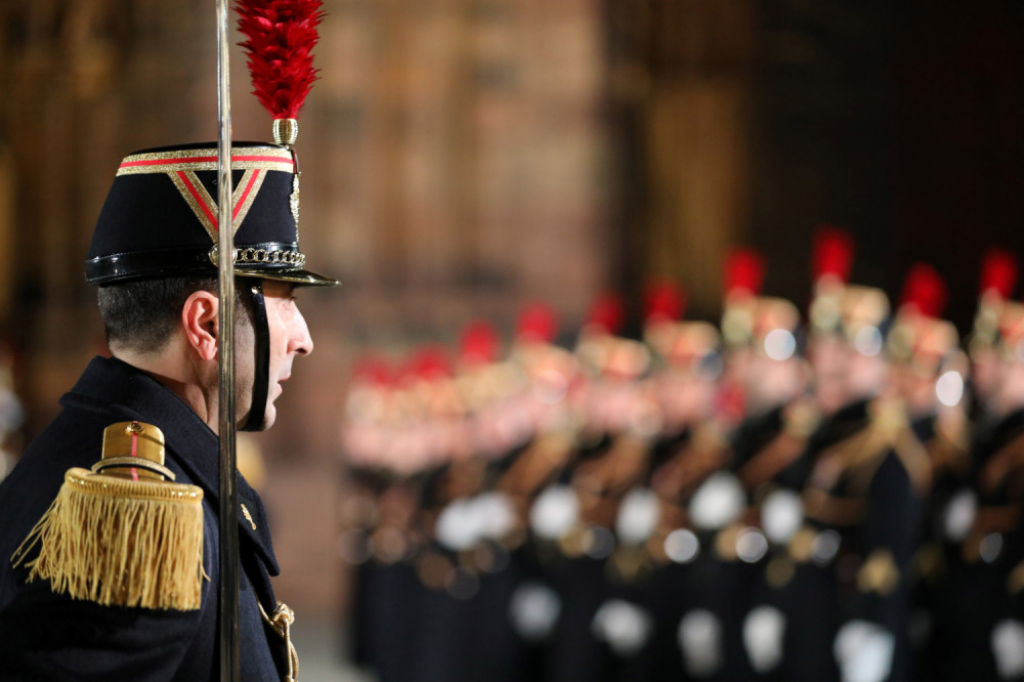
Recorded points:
(230, 668)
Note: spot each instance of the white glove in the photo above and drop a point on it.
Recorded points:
(763, 634)
(782, 514)
(534, 610)
(718, 502)
(1008, 647)
(625, 627)
(864, 651)
(638, 516)
(458, 525)
(555, 511)
(700, 638)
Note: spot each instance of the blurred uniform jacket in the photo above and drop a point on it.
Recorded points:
(983, 584)
(49, 636)
(865, 489)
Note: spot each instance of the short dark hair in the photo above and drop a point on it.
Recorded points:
(141, 315)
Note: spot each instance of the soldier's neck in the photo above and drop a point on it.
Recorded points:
(191, 379)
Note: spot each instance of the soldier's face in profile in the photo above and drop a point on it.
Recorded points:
(289, 337)
(829, 357)
(771, 383)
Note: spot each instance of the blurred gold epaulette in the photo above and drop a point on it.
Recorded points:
(123, 532)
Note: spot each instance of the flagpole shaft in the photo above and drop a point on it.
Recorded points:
(230, 664)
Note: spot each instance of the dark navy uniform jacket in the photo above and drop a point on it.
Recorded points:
(48, 636)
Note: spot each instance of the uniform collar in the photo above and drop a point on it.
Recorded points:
(125, 392)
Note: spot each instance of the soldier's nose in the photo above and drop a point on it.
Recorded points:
(302, 342)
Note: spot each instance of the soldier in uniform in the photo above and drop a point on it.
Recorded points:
(546, 508)
(159, 307)
(929, 373)
(980, 626)
(609, 461)
(768, 458)
(378, 511)
(995, 287)
(114, 574)
(868, 474)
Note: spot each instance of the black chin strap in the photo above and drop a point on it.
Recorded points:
(261, 382)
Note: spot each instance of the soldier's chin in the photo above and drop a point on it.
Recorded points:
(269, 417)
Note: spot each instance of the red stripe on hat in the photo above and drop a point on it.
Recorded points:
(241, 199)
(199, 199)
(202, 159)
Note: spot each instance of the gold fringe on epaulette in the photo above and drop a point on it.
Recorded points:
(116, 541)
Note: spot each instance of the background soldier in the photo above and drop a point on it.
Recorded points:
(978, 621)
(867, 478)
(683, 515)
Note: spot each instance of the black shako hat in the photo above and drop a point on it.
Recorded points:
(160, 217)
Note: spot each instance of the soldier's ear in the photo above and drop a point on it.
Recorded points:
(199, 321)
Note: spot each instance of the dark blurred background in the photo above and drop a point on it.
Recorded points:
(462, 156)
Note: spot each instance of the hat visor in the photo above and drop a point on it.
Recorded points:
(296, 276)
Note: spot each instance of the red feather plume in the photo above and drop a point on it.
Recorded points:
(430, 363)
(833, 253)
(998, 273)
(925, 291)
(607, 314)
(373, 369)
(744, 272)
(281, 35)
(537, 322)
(663, 300)
(479, 344)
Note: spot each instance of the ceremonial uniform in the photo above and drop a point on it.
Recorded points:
(981, 592)
(50, 636)
(863, 502)
(772, 464)
(110, 547)
(976, 616)
(752, 513)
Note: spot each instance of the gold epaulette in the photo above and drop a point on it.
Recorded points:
(123, 533)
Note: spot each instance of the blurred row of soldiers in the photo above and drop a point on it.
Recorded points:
(768, 499)
(12, 414)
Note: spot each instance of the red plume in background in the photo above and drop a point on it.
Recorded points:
(998, 273)
(663, 300)
(429, 363)
(744, 271)
(833, 253)
(373, 369)
(280, 36)
(537, 322)
(925, 290)
(479, 344)
(607, 314)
